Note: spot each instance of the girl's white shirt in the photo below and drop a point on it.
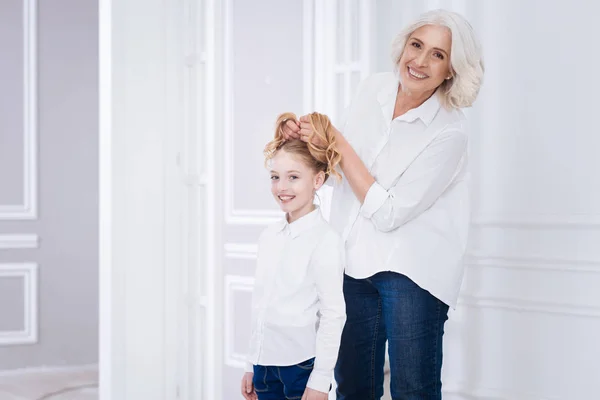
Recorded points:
(298, 308)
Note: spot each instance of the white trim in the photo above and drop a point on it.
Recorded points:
(105, 200)
(191, 358)
(174, 193)
(530, 306)
(559, 221)
(308, 54)
(46, 369)
(218, 21)
(192, 89)
(364, 35)
(330, 45)
(19, 241)
(319, 75)
(533, 263)
(241, 251)
(234, 284)
(29, 273)
(28, 210)
(468, 392)
(348, 28)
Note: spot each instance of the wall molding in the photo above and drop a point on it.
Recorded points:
(540, 221)
(241, 251)
(469, 392)
(308, 54)
(29, 273)
(532, 263)
(234, 283)
(28, 210)
(47, 369)
(530, 306)
(19, 241)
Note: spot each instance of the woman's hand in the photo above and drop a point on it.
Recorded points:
(291, 130)
(311, 394)
(248, 387)
(306, 131)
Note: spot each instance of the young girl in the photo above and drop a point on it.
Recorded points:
(298, 309)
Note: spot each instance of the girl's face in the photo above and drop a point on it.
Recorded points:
(293, 184)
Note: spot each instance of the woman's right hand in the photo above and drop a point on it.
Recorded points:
(248, 387)
(291, 130)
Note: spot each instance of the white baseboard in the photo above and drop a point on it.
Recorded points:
(49, 369)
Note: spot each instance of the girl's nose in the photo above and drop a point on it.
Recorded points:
(282, 185)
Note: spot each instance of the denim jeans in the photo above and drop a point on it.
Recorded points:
(282, 383)
(390, 307)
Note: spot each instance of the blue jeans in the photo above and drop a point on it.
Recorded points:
(390, 307)
(282, 383)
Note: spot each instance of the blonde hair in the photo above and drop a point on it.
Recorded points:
(466, 60)
(318, 157)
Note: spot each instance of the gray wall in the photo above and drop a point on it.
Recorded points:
(67, 177)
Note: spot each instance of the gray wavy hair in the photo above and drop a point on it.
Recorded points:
(466, 60)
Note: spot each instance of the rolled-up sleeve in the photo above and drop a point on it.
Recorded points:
(420, 186)
(329, 277)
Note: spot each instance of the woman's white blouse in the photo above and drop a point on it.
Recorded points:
(298, 308)
(415, 217)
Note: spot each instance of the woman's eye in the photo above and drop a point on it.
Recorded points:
(293, 177)
(274, 178)
(416, 44)
(438, 55)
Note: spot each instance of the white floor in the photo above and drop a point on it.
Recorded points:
(74, 383)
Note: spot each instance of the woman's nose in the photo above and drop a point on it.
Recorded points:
(422, 59)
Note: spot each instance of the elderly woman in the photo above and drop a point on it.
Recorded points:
(403, 207)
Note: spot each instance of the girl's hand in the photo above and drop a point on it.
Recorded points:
(291, 130)
(311, 394)
(248, 387)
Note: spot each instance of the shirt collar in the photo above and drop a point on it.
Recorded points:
(426, 112)
(301, 225)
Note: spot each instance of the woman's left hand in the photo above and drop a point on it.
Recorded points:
(311, 394)
(306, 131)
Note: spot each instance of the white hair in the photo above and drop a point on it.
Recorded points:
(466, 61)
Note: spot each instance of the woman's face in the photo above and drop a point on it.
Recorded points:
(425, 63)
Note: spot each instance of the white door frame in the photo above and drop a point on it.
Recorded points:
(137, 203)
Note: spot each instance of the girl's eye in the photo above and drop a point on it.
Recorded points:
(274, 178)
(438, 55)
(293, 177)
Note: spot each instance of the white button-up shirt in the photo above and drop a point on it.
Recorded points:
(415, 217)
(298, 308)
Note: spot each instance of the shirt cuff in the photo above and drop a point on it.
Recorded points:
(319, 382)
(249, 367)
(376, 196)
